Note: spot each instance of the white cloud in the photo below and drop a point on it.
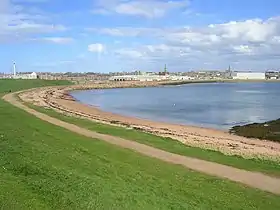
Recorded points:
(249, 31)
(245, 43)
(100, 11)
(5, 6)
(245, 49)
(96, 47)
(144, 8)
(255, 30)
(153, 51)
(57, 40)
(67, 62)
(129, 53)
(30, 1)
(128, 31)
(19, 23)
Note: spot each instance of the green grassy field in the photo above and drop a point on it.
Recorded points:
(7, 85)
(167, 144)
(47, 167)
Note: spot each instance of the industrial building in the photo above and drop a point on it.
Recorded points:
(32, 75)
(149, 78)
(272, 75)
(137, 78)
(248, 75)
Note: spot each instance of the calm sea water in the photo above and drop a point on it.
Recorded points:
(219, 105)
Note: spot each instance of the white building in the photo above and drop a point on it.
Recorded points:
(180, 78)
(33, 75)
(248, 75)
(147, 77)
(136, 78)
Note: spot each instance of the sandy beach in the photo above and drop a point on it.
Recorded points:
(58, 99)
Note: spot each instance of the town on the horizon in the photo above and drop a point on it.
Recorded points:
(137, 75)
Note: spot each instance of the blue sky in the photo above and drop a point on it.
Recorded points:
(128, 35)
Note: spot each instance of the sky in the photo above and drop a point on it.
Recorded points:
(128, 35)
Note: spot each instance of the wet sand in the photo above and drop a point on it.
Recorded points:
(59, 99)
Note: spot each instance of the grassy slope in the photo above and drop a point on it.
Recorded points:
(170, 145)
(46, 167)
(15, 85)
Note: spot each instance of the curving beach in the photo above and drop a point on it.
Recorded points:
(59, 99)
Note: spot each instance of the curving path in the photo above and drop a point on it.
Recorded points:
(252, 179)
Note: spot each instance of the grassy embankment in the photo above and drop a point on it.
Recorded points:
(43, 166)
(168, 144)
(7, 85)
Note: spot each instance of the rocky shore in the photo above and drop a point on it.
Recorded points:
(268, 130)
(58, 99)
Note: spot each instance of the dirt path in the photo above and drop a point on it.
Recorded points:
(252, 179)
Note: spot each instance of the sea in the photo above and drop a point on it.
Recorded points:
(212, 105)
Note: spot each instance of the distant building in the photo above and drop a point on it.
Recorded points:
(5, 76)
(147, 77)
(228, 73)
(164, 73)
(32, 75)
(272, 75)
(248, 75)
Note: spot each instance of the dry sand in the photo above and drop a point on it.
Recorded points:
(58, 99)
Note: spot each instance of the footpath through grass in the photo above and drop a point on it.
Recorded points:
(43, 166)
(168, 144)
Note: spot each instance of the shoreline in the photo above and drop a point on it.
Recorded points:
(59, 99)
(226, 130)
(265, 130)
(169, 83)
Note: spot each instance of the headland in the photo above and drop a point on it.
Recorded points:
(269, 130)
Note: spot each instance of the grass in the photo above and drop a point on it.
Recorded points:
(11, 85)
(168, 144)
(43, 166)
(268, 130)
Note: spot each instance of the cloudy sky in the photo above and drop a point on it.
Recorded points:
(125, 35)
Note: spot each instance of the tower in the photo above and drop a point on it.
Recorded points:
(165, 69)
(228, 72)
(14, 69)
